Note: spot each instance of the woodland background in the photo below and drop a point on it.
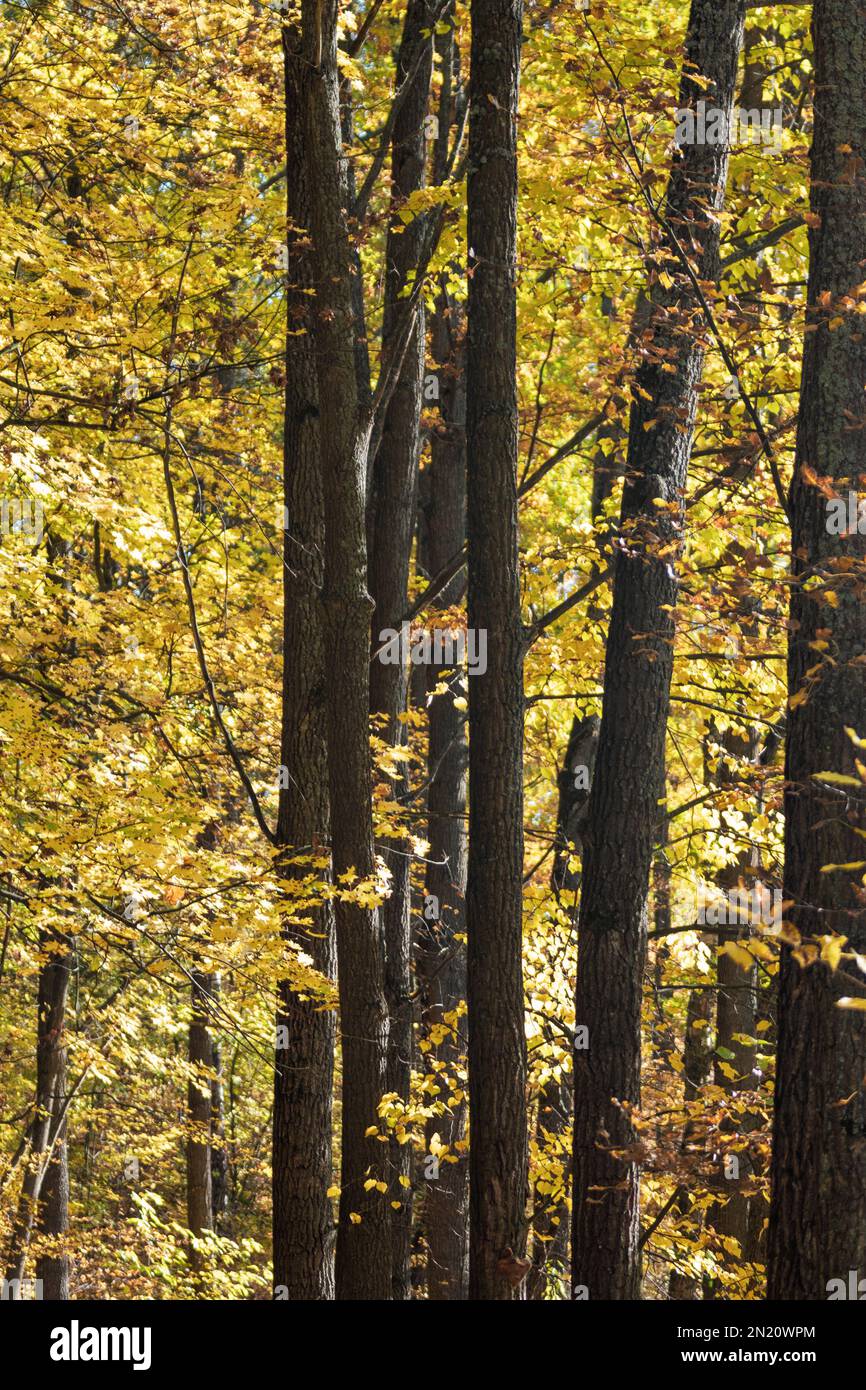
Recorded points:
(294, 308)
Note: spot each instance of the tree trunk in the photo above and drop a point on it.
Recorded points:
(818, 1212)
(391, 521)
(696, 1067)
(46, 1179)
(623, 815)
(363, 1238)
(441, 955)
(497, 1043)
(199, 1201)
(302, 1158)
(219, 1158)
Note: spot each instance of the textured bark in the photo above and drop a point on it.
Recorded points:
(219, 1157)
(45, 1190)
(363, 1268)
(623, 817)
(735, 1019)
(441, 957)
(47, 1128)
(302, 1156)
(550, 1219)
(696, 1068)
(391, 521)
(199, 1193)
(818, 1212)
(497, 1044)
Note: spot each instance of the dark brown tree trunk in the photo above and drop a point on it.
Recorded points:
(623, 818)
(391, 524)
(46, 1178)
(818, 1213)
(363, 1239)
(696, 1067)
(45, 1191)
(219, 1158)
(441, 955)
(302, 1158)
(551, 1269)
(734, 1058)
(199, 1202)
(497, 1045)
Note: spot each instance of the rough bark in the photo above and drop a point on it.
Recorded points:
(497, 1044)
(45, 1190)
(623, 817)
(391, 520)
(696, 1068)
(302, 1156)
(818, 1212)
(441, 957)
(363, 1268)
(550, 1218)
(199, 1199)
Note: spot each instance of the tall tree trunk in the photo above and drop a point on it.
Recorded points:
(302, 1155)
(391, 523)
(219, 1158)
(736, 1003)
(497, 1044)
(623, 816)
(363, 1238)
(441, 954)
(46, 1179)
(199, 1201)
(818, 1212)
(696, 1067)
(550, 1219)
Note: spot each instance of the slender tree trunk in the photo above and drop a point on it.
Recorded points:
(219, 1158)
(45, 1191)
(818, 1212)
(623, 817)
(497, 1043)
(199, 1202)
(734, 1059)
(391, 523)
(363, 1239)
(550, 1219)
(696, 1068)
(302, 1158)
(441, 954)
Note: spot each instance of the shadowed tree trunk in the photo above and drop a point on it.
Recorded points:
(45, 1190)
(441, 956)
(736, 999)
(391, 522)
(219, 1158)
(303, 1076)
(363, 1257)
(818, 1212)
(199, 1102)
(696, 1068)
(623, 817)
(497, 1044)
